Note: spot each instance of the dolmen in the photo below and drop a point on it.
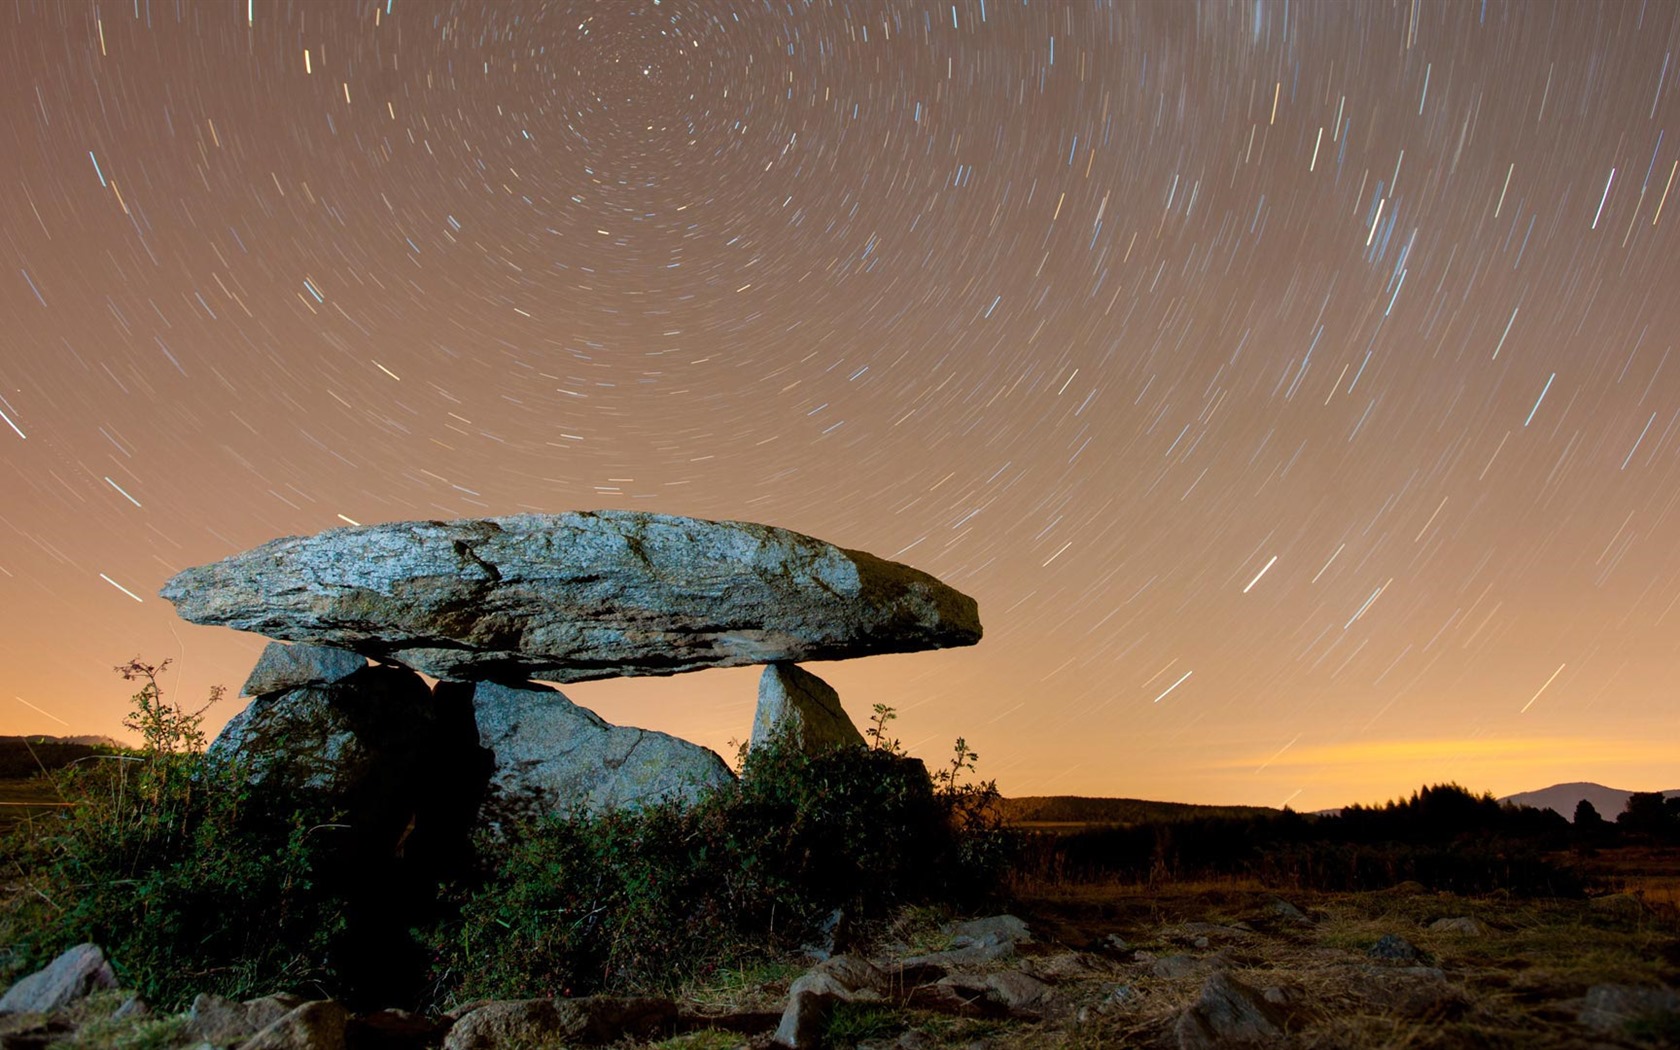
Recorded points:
(487, 606)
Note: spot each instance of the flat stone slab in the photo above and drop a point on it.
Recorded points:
(577, 596)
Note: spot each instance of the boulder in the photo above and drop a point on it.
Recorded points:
(316, 1025)
(577, 596)
(282, 667)
(796, 706)
(223, 1022)
(75, 973)
(844, 978)
(550, 755)
(1228, 1013)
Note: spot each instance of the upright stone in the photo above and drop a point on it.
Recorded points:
(572, 597)
(401, 763)
(282, 667)
(802, 709)
(550, 755)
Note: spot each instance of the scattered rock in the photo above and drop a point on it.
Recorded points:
(1022, 994)
(75, 973)
(1625, 905)
(801, 708)
(1465, 924)
(1065, 966)
(1608, 1008)
(223, 1022)
(550, 755)
(394, 1030)
(282, 667)
(133, 1008)
(1228, 1013)
(834, 937)
(1172, 967)
(1417, 992)
(844, 978)
(994, 929)
(572, 597)
(595, 1019)
(318, 1025)
(1394, 948)
(1278, 908)
(977, 941)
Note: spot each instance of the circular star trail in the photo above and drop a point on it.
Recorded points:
(1294, 385)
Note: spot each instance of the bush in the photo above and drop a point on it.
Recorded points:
(192, 880)
(644, 899)
(166, 860)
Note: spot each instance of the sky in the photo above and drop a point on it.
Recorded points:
(1293, 385)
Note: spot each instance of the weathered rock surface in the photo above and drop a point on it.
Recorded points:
(76, 972)
(978, 941)
(1228, 1013)
(572, 597)
(551, 755)
(223, 1022)
(316, 1025)
(282, 667)
(844, 978)
(1468, 925)
(802, 709)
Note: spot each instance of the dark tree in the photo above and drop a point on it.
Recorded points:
(1646, 812)
(1587, 817)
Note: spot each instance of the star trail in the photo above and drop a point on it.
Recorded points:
(1291, 383)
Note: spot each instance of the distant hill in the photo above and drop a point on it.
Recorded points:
(1563, 798)
(1075, 809)
(22, 757)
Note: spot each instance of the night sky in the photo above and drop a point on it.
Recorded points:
(1294, 385)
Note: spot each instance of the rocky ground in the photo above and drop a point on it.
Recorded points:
(1177, 966)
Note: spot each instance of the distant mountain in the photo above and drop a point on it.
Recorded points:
(1563, 798)
(1075, 809)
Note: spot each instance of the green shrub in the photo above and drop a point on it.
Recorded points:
(167, 860)
(646, 899)
(193, 880)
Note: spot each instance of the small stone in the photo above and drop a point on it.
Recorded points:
(1227, 1013)
(1279, 908)
(1611, 1007)
(1020, 993)
(75, 973)
(1394, 948)
(282, 667)
(133, 1008)
(796, 706)
(1465, 924)
(595, 1019)
(1172, 967)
